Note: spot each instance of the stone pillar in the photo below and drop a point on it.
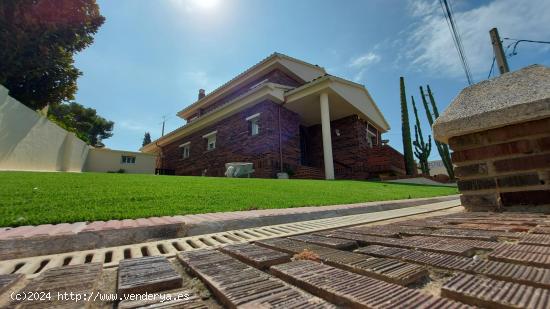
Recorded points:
(327, 140)
(499, 132)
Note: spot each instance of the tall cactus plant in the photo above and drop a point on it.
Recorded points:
(422, 150)
(406, 131)
(443, 149)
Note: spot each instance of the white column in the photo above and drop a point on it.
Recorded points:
(327, 140)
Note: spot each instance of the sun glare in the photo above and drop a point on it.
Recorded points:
(205, 4)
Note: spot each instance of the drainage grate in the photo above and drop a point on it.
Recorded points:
(110, 257)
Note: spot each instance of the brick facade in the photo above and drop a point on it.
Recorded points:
(275, 76)
(235, 144)
(503, 168)
(353, 158)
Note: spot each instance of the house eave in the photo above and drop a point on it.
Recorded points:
(325, 82)
(252, 71)
(271, 91)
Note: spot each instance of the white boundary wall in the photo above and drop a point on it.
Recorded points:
(30, 142)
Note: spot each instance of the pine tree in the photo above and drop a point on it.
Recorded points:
(406, 131)
(443, 149)
(146, 139)
(422, 150)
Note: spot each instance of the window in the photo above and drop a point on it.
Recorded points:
(128, 160)
(372, 136)
(210, 140)
(254, 124)
(185, 150)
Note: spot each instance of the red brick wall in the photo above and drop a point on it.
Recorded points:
(504, 167)
(275, 76)
(234, 144)
(353, 158)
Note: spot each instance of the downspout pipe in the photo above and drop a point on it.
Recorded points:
(280, 137)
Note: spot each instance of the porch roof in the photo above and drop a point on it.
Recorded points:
(346, 98)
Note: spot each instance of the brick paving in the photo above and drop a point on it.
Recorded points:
(409, 264)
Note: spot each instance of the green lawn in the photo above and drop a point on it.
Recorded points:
(37, 198)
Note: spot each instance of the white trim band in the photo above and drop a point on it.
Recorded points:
(252, 117)
(210, 134)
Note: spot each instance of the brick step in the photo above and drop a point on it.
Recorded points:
(335, 243)
(238, 285)
(147, 275)
(535, 239)
(384, 269)
(541, 230)
(394, 230)
(463, 247)
(257, 256)
(492, 293)
(523, 254)
(190, 300)
(7, 281)
(529, 275)
(352, 290)
(78, 279)
(308, 172)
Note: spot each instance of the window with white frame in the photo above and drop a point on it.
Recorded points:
(210, 140)
(372, 136)
(128, 160)
(254, 124)
(185, 150)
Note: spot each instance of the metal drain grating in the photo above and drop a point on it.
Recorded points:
(110, 257)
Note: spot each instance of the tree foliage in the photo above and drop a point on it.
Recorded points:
(38, 39)
(406, 131)
(146, 139)
(84, 122)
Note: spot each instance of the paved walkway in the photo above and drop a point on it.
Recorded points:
(458, 260)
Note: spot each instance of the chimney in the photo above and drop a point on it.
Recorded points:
(201, 93)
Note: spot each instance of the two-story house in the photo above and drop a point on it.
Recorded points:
(282, 114)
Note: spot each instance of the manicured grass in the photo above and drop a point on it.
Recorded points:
(37, 198)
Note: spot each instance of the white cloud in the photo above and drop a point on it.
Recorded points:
(364, 60)
(132, 126)
(361, 63)
(430, 47)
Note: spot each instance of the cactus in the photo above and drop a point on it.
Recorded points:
(443, 149)
(422, 150)
(406, 131)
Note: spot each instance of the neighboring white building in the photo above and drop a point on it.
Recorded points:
(30, 142)
(437, 168)
(109, 160)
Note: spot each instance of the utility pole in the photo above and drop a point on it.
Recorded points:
(163, 121)
(499, 52)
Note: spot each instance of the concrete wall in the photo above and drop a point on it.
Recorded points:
(108, 160)
(30, 142)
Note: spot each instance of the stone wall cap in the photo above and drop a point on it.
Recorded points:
(511, 98)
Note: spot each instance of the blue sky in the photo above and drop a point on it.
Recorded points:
(150, 57)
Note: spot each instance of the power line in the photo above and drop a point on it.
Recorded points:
(517, 41)
(457, 40)
(514, 50)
